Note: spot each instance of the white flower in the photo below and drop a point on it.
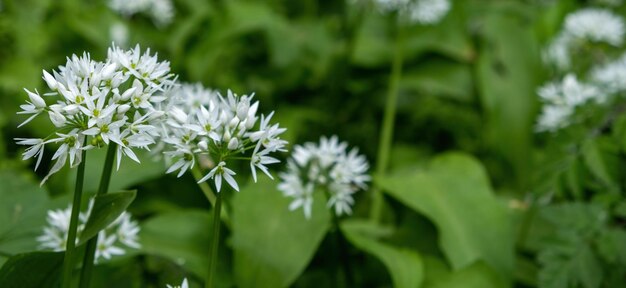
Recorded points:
(553, 117)
(123, 232)
(36, 148)
(428, 12)
(183, 285)
(202, 123)
(327, 167)
(96, 101)
(595, 25)
(161, 11)
(221, 171)
(611, 76)
(558, 52)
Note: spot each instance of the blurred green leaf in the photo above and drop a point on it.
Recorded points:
(595, 159)
(273, 245)
(129, 174)
(507, 74)
(183, 237)
(477, 275)
(452, 183)
(32, 270)
(571, 263)
(106, 209)
(23, 211)
(404, 265)
(441, 78)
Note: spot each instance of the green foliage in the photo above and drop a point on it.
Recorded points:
(30, 270)
(404, 265)
(106, 209)
(271, 244)
(443, 192)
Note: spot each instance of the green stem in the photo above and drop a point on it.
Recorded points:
(340, 243)
(384, 146)
(70, 249)
(90, 250)
(209, 194)
(215, 241)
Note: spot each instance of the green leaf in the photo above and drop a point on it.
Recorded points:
(507, 76)
(183, 237)
(455, 194)
(570, 262)
(32, 270)
(477, 275)
(441, 78)
(106, 209)
(596, 162)
(273, 245)
(23, 208)
(130, 172)
(404, 265)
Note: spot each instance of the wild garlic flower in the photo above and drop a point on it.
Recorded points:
(590, 25)
(595, 25)
(203, 124)
(328, 167)
(122, 234)
(183, 285)
(93, 104)
(562, 98)
(161, 11)
(425, 12)
(611, 76)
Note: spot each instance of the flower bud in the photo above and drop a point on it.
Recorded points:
(52, 83)
(203, 145)
(242, 108)
(36, 99)
(233, 144)
(178, 115)
(233, 122)
(122, 109)
(57, 118)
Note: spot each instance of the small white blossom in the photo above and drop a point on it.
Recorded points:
(203, 124)
(161, 11)
(182, 285)
(595, 25)
(611, 76)
(327, 167)
(425, 12)
(112, 241)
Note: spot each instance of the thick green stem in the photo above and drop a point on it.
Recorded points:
(90, 251)
(340, 243)
(384, 146)
(70, 249)
(215, 241)
(209, 194)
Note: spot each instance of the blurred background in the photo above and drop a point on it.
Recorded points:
(466, 110)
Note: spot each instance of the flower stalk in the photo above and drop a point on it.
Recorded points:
(68, 260)
(209, 194)
(90, 250)
(215, 241)
(384, 146)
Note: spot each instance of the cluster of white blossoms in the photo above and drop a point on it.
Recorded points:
(205, 126)
(93, 103)
(161, 11)
(425, 12)
(561, 99)
(121, 234)
(182, 285)
(590, 25)
(611, 76)
(326, 167)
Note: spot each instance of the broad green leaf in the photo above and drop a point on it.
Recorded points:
(477, 275)
(183, 237)
(130, 172)
(23, 208)
(32, 270)
(454, 193)
(441, 78)
(507, 74)
(273, 245)
(106, 209)
(404, 265)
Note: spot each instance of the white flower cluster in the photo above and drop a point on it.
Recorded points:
(561, 99)
(611, 76)
(590, 25)
(123, 232)
(182, 285)
(425, 12)
(161, 11)
(327, 167)
(204, 124)
(93, 103)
